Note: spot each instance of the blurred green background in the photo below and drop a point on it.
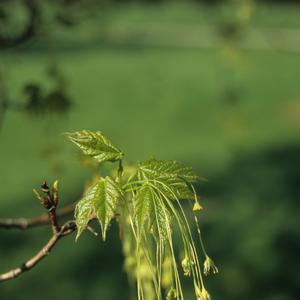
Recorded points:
(214, 84)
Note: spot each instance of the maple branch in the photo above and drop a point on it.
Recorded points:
(68, 228)
(49, 200)
(43, 219)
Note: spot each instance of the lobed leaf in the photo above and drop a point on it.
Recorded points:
(106, 202)
(143, 204)
(96, 145)
(100, 201)
(160, 219)
(84, 212)
(154, 168)
(171, 177)
(149, 206)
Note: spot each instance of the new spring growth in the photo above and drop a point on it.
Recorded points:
(205, 295)
(197, 206)
(209, 265)
(186, 264)
(167, 274)
(202, 294)
(55, 187)
(153, 192)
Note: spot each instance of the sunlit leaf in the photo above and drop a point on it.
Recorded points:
(100, 201)
(96, 145)
(154, 168)
(108, 195)
(84, 211)
(143, 204)
(149, 206)
(171, 177)
(160, 219)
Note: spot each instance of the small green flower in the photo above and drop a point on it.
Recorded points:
(186, 264)
(205, 295)
(202, 294)
(209, 265)
(197, 206)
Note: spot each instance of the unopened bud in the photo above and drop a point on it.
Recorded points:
(55, 185)
(197, 206)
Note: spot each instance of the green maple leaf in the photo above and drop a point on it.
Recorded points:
(170, 176)
(100, 202)
(96, 145)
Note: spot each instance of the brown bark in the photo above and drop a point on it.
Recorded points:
(68, 228)
(44, 219)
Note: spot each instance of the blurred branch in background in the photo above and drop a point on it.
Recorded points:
(26, 32)
(23, 20)
(36, 99)
(235, 18)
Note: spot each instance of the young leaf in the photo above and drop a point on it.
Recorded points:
(149, 206)
(101, 202)
(143, 204)
(154, 168)
(171, 177)
(160, 219)
(84, 212)
(96, 145)
(108, 195)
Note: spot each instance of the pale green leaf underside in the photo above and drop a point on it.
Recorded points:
(100, 201)
(96, 145)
